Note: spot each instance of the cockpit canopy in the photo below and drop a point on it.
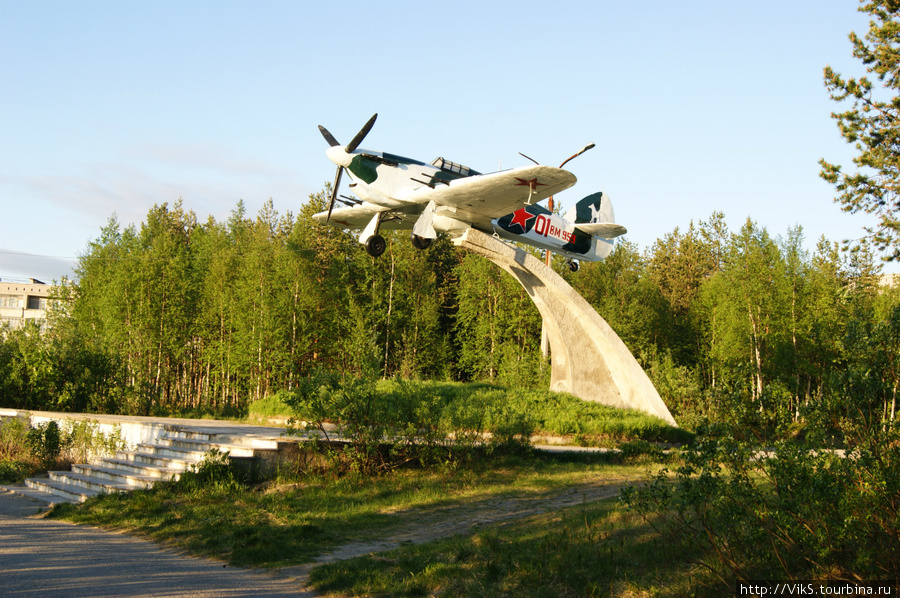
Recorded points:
(453, 167)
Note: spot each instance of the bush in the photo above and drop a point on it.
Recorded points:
(399, 422)
(13, 438)
(27, 450)
(215, 472)
(794, 514)
(83, 440)
(15, 459)
(45, 443)
(390, 423)
(270, 406)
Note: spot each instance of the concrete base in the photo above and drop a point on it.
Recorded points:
(588, 358)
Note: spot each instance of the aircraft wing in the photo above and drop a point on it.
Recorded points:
(476, 199)
(352, 217)
(481, 198)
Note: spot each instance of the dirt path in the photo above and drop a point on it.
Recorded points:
(430, 524)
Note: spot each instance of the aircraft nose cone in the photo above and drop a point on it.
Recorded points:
(339, 155)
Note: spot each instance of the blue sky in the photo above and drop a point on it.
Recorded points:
(695, 106)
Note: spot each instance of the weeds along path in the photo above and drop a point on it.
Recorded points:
(423, 525)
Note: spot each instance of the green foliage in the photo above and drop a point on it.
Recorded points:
(498, 327)
(595, 549)
(82, 440)
(291, 521)
(26, 449)
(795, 513)
(216, 473)
(871, 124)
(396, 422)
(45, 442)
(270, 406)
(15, 458)
(13, 437)
(182, 317)
(403, 422)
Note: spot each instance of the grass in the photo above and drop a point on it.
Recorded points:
(548, 413)
(287, 523)
(596, 549)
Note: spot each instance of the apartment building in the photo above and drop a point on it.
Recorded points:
(23, 301)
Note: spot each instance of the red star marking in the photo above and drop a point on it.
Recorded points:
(530, 183)
(521, 217)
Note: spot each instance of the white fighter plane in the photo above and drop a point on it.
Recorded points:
(401, 193)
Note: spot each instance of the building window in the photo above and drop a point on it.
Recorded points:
(10, 301)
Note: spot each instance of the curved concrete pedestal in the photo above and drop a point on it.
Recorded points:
(589, 360)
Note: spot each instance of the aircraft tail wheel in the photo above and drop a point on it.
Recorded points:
(573, 266)
(421, 242)
(376, 245)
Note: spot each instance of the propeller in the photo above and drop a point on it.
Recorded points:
(354, 143)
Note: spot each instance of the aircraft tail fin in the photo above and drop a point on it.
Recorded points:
(595, 215)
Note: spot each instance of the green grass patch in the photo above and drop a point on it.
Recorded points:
(289, 522)
(492, 408)
(272, 406)
(596, 549)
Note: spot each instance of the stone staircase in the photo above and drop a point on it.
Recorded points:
(165, 458)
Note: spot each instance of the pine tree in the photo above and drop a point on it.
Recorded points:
(872, 124)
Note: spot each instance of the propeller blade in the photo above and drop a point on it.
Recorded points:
(354, 143)
(328, 136)
(334, 191)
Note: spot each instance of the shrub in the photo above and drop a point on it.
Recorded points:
(389, 423)
(45, 443)
(794, 514)
(13, 438)
(215, 472)
(82, 440)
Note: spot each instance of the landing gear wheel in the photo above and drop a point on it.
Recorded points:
(375, 245)
(573, 266)
(420, 242)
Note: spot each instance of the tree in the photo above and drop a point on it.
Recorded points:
(873, 126)
(747, 303)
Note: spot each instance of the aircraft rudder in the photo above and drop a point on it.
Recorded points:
(596, 207)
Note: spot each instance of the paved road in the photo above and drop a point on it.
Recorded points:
(46, 558)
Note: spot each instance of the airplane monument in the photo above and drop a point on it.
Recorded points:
(478, 210)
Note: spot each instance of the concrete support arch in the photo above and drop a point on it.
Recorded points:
(589, 360)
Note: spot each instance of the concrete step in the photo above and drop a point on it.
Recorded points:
(88, 482)
(59, 489)
(151, 471)
(151, 459)
(166, 458)
(39, 495)
(261, 444)
(182, 433)
(116, 475)
(225, 441)
(234, 450)
(176, 454)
